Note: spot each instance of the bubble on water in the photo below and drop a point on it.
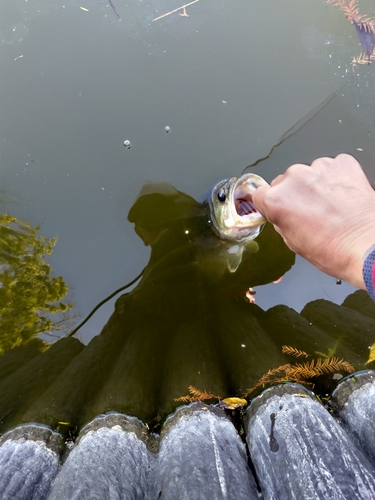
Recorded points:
(127, 144)
(167, 129)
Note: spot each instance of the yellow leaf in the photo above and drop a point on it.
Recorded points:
(371, 355)
(232, 403)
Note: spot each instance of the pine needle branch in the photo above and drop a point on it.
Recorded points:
(301, 372)
(292, 351)
(267, 378)
(197, 395)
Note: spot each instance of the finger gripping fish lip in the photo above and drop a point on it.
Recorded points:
(243, 190)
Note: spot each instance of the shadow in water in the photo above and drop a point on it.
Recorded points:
(187, 322)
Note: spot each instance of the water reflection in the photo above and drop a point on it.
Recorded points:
(29, 295)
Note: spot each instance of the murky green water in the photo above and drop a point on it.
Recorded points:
(228, 78)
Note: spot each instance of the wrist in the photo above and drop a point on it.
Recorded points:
(368, 271)
(362, 244)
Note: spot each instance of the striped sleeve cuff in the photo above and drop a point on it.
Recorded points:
(368, 272)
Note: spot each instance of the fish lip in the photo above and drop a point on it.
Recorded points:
(243, 189)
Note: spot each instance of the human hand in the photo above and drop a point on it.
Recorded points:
(325, 212)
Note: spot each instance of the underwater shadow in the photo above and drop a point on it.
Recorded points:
(188, 322)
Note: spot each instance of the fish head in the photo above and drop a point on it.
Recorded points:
(233, 215)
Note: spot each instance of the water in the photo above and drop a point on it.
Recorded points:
(225, 81)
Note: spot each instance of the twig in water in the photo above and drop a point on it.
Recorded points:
(183, 8)
(114, 9)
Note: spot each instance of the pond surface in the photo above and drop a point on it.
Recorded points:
(227, 78)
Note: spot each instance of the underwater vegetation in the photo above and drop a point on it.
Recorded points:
(364, 26)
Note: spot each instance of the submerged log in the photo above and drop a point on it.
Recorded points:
(13, 360)
(20, 389)
(355, 330)
(71, 393)
(361, 302)
(293, 329)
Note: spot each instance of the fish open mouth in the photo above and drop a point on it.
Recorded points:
(243, 201)
(243, 195)
(244, 206)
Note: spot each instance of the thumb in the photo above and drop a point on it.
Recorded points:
(259, 199)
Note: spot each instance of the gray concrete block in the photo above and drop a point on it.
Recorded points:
(300, 452)
(29, 462)
(202, 457)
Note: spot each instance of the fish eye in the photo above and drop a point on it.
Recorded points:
(221, 195)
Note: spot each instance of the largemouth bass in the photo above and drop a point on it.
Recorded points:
(233, 216)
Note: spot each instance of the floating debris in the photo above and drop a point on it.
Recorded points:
(167, 129)
(127, 144)
(371, 357)
(232, 403)
(183, 8)
(114, 9)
